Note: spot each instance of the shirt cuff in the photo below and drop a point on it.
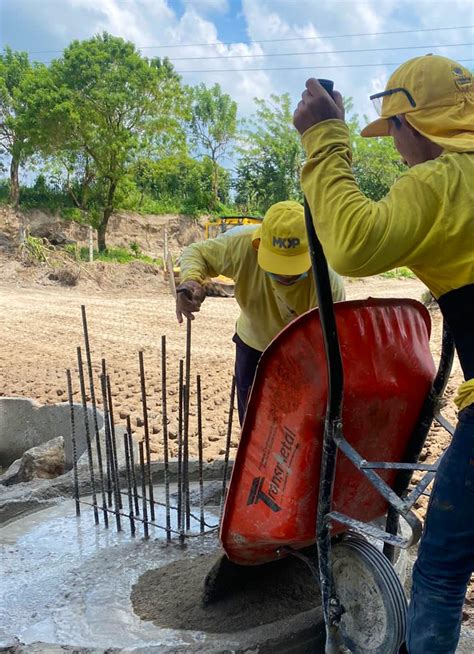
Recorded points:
(319, 136)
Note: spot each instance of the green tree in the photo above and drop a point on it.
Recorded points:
(98, 108)
(213, 126)
(271, 156)
(14, 66)
(375, 161)
(180, 181)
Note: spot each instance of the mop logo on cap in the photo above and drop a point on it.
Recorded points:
(285, 243)
(462, 78)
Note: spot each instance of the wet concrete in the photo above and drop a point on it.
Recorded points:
(68, 582)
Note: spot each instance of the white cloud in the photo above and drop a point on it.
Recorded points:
(208, 6)
(133, 20)
(306, 18)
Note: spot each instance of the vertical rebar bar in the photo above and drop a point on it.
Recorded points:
(164, 413)
(199, 434)
(112, 431)
(94, 414)
(180, 443)
(129, 484)
(227, 447)
(185, 476)
(143, 480)
(187, 396)
(132, 466)
(109, 453)
(73, 442)
(87, 432)
(147, 434)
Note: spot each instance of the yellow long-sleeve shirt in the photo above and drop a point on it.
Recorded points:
(425, 222)
(265, 305)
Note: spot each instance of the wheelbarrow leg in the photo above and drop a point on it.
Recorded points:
(332, 609)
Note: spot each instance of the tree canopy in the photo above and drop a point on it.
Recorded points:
(271, 155)
(14, 67)
(99, 107)
(213, 126)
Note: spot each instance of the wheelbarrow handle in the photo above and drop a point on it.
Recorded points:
(328, 320)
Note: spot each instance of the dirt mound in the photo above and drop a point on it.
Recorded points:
(147, 231)
(144, 232)
(171, 596)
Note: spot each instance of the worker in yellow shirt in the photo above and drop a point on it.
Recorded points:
(269, 265)
(425, 222)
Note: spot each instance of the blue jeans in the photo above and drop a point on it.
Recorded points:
(246, 362)
(446, 554)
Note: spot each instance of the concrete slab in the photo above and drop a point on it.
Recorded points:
(24, 424)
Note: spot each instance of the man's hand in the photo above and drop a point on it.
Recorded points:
(189, 297)
(317, 105)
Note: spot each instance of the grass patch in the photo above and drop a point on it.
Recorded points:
(113, 255)
(399, 273)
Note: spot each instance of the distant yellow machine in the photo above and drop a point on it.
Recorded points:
(222, 224)
(220, 286)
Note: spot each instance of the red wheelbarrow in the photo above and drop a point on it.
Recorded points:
(340, 408)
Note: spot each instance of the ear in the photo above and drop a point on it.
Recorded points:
(406, 124)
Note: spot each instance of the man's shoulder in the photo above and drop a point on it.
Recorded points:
(444, 168)
(240, 232)
(239, 238)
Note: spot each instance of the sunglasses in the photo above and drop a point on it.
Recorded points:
(377, 98)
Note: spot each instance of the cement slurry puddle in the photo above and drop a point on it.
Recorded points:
(68, 581)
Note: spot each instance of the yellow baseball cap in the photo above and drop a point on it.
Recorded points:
(282, 241)
(436, 96)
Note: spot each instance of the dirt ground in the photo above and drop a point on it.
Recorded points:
(41, 328)
(129, 308)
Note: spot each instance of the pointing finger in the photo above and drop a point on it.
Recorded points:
(338, 99)
(314, 87)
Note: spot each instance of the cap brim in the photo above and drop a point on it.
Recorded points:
(296, 264)
(379, 127)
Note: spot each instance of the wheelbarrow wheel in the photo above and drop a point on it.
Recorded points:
(372, 598)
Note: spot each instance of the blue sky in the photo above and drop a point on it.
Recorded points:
(247, 31)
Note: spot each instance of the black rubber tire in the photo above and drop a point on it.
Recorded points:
(370, 591)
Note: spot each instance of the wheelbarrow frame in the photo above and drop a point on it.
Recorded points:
(400, 502)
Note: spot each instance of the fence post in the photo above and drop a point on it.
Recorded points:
(165, 249)
(91, 244)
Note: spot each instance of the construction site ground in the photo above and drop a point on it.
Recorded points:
(129, 308)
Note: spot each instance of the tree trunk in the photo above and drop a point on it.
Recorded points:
(101, 231)
(14, 183)
(215, 184)
(108, 210)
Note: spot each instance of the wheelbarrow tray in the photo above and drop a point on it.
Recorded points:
(388, 369)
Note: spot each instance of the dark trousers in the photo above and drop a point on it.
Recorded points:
(446, 554)
(246, 361)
